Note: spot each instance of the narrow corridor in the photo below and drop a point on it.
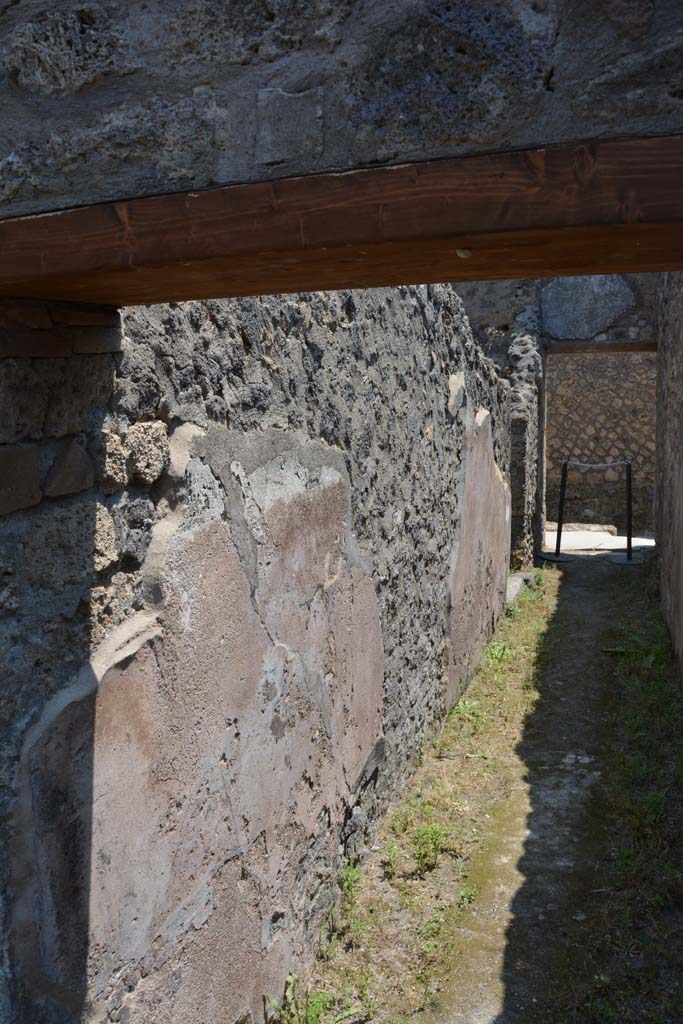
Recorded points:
(552, 891)
(574, 918)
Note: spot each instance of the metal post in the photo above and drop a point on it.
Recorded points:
(629, 512)
(560, 514)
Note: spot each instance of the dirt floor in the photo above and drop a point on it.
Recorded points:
(535, 875)
(533, 872)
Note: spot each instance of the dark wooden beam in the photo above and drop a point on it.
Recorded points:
(598, 348)
(602, 207)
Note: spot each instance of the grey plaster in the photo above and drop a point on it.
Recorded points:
(581, 307)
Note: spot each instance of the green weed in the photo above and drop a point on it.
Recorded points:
(400, 820)
(496, 651)
(468, 894)
(467, 711)
(301, 1007)
(392, 859)
(349, 882)
(429, 842)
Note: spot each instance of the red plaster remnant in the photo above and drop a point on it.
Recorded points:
(482, 555)
(224, 752)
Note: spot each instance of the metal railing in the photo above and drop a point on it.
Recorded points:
(566, 463)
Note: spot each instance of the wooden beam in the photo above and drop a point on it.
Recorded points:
(601, 207)
(598, 348)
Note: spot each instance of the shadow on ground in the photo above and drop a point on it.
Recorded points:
(595, 929)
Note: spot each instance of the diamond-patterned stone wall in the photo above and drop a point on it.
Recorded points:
(601, 408)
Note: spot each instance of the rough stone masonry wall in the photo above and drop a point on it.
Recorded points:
(669, 518)
(259, 556)
(593, 408)
(505, 317)
(601, 407)
(105, 100)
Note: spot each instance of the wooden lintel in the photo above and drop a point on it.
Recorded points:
(602, 207)
(599, 348)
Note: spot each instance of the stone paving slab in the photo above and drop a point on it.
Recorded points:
(590, 540)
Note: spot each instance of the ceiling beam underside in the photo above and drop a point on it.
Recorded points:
(605, 207)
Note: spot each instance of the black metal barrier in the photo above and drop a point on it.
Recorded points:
(566, 463)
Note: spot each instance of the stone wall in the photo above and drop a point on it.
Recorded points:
(669, 517)
(601, 407)
(107, 100)
(258, 556)
(593, 408)
(505, 317)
